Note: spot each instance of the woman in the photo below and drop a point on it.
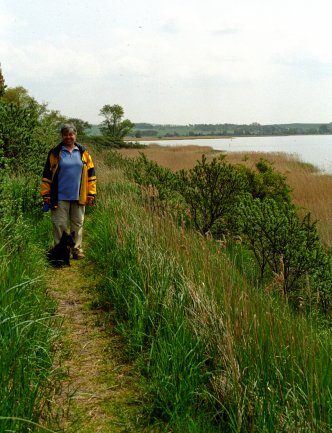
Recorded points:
(68, 184)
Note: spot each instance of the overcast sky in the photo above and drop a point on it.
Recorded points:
(173, 61)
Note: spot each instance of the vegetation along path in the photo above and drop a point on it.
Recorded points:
(99, 392)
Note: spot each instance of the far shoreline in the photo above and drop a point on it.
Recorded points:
(217, 137)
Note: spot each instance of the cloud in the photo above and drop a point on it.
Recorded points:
(224, 31)
(8, 23)
(45, 61)
(170, 26)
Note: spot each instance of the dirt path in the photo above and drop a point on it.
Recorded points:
(100, 391)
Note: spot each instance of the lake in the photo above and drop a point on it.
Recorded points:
(315, 149)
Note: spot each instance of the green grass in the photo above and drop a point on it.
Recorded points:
(217, 354)
(27, 379)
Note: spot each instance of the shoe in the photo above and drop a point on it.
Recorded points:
(78, 256)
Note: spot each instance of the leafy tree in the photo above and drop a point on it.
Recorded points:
(20, 97)
(27, 130)
(113, 126)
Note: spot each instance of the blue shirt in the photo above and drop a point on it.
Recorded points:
(70, 173)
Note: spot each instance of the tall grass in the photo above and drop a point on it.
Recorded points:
(217, 354)
(26, 317)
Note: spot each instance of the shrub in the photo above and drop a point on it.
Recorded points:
(211, 190)
(283, 245)
(148, 173)
(267, 182)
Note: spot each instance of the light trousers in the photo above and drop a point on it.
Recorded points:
(68, 216)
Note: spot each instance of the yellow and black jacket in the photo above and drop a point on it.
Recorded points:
(49, 186)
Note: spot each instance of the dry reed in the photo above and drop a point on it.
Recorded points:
(172, 157)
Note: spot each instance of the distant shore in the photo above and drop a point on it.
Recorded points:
(216, 137)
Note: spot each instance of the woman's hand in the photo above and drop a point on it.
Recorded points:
(90, 200)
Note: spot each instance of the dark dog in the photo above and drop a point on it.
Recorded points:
(59, 255)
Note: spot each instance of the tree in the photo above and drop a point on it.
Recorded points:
(80, 125)
(27, 130)
(211, 190)
(323, 129)
(282, 243)
(20, 97)
(113, 127)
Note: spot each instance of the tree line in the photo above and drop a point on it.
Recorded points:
(227, 129)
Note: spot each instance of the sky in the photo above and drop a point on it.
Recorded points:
(175, 61)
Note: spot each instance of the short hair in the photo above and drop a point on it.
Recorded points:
(68, 127)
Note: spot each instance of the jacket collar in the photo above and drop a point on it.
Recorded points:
(58, 148)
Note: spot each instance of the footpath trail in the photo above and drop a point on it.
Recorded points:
(99, 391)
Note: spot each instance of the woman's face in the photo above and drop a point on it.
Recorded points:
(69, 138)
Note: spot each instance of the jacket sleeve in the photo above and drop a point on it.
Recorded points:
(45, 188)
(92, 180)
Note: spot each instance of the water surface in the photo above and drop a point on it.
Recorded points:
(315, 149)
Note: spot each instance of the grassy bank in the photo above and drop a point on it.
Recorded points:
(27, 336)
(216, 353)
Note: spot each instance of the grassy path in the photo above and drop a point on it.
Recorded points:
(100, 391)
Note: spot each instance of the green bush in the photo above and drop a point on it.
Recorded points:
(148, 172)
(212, 191)
(284, 246)
(16, 131)
(267, 182)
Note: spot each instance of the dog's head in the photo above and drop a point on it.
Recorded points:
(68, 239)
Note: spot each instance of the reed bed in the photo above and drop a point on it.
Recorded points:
(172, 157)
(217, 354)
